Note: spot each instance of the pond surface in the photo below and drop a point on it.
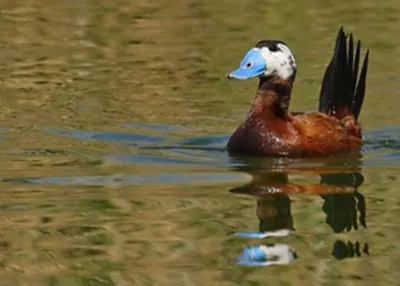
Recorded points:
(113, 169)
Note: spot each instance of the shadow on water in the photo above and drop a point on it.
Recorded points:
(272, 187)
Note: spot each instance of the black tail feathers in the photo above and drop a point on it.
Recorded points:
(340, 93)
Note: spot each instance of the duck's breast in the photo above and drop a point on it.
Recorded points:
(273, 137)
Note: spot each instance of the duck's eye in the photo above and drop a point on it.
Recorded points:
(249, 64)
(273, 48)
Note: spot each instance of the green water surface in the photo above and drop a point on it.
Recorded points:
(113, 120)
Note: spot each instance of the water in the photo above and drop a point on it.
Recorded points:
(191, 205)
(113, 123)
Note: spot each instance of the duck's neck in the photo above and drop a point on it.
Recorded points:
(273, 96)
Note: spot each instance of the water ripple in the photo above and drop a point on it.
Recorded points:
(381, 148)
(108, 136)
(131, 180)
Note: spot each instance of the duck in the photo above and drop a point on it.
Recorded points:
(270, 129)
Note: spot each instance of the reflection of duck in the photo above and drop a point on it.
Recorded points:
(270, 129)
(342, 201)
(338, 187)
(273, 175)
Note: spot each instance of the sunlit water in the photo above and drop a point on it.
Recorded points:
(114, 118)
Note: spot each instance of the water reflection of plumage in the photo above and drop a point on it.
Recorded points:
(274, 213)
(273, 206)
(343, 205)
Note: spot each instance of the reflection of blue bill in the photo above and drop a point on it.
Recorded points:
(253, 255)
(263, 255)
(257, 234)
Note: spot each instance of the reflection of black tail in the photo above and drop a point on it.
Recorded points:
(341, 250)
(342, 209)
(340, 94)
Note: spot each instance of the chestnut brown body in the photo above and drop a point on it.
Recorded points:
(270, 130)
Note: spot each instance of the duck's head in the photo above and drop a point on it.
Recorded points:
(268, 58)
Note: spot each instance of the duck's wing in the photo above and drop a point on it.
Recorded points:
(321, 134)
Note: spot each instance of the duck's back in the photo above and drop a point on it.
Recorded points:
(321, 134)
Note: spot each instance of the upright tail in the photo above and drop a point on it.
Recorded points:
(340, 93)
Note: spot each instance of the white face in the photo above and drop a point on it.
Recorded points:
(280, 62)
